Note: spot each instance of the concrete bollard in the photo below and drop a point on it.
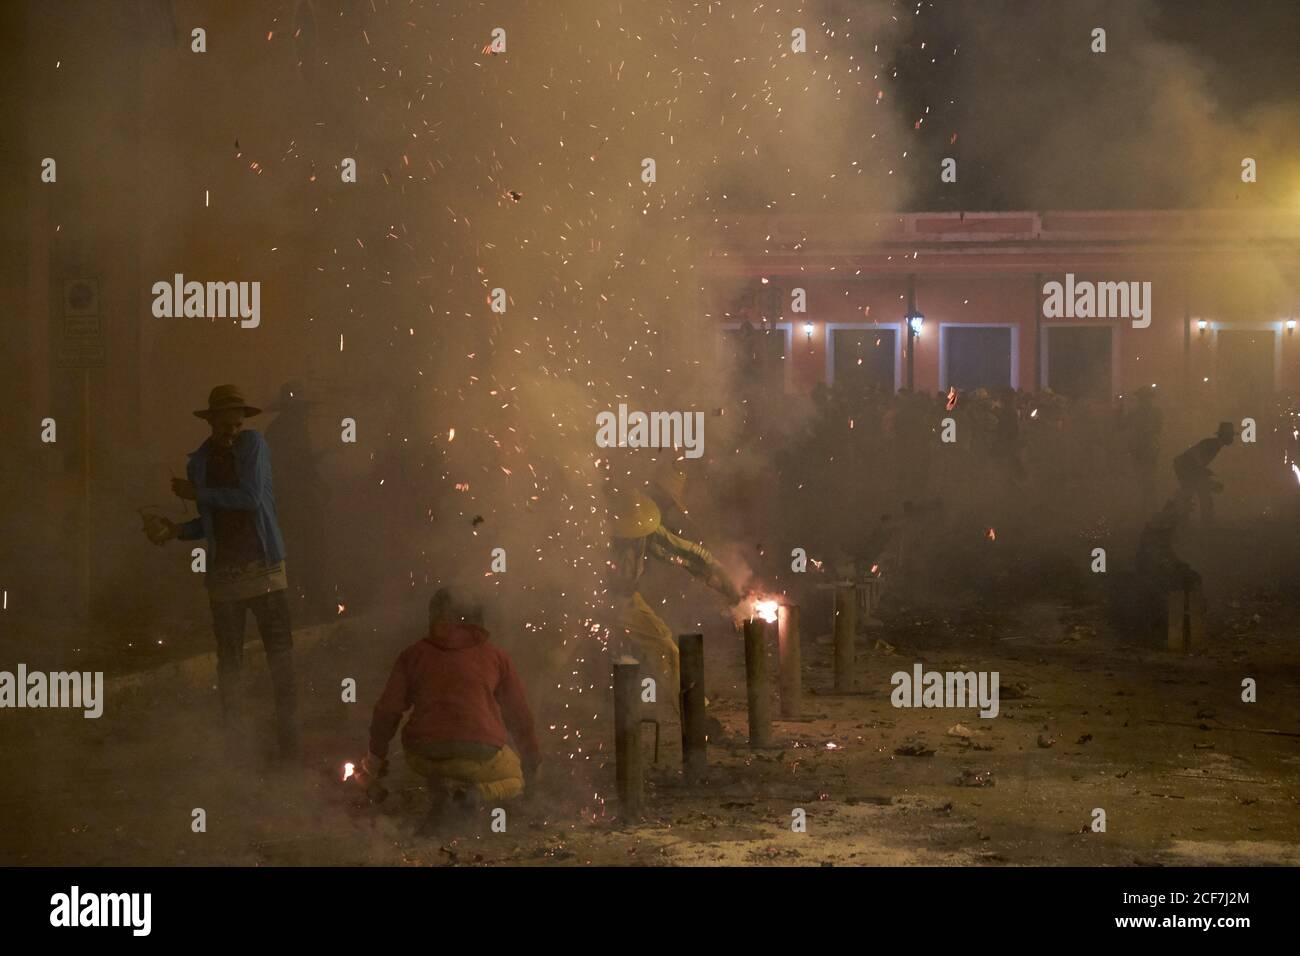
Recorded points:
(760, 709)
(791, 675)
(694, 743)
(845, 634)
(627, 737)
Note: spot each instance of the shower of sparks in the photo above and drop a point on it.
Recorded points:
(593, 263)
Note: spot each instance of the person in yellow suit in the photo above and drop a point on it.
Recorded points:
(637, 534)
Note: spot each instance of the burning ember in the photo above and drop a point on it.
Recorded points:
(765, 609)
(348, 770)
(342, 608)
(991, 534)
(952, 398)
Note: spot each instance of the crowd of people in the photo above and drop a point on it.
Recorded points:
(1034, 465)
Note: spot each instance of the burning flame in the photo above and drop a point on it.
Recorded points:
(991, 534)
(348, 770)
(765, 609)
(342, 608)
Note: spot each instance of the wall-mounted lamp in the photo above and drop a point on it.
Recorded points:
(808, 330)
(915, 321)
(1290, 326)
(1202, 325)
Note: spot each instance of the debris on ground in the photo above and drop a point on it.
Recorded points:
(1017, 690)
(970, 778)
(914, 749)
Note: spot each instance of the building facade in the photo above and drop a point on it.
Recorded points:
(832, 296)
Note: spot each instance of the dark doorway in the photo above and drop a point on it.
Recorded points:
(864, 358)
(978, 357)
(758, 354)
(1079, 361)
(1243, 367)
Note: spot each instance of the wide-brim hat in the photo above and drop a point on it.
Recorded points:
(225, 397)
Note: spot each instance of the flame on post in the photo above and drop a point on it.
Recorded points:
(766, 609)
(348, 770)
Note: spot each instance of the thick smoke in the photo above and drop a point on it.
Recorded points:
(519, 171)
(1038, 120)
(537, 189)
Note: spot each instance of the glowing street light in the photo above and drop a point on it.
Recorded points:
(914, 320)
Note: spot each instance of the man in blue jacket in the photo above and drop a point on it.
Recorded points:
(229, 478)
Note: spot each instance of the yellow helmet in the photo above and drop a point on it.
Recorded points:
(633, 514)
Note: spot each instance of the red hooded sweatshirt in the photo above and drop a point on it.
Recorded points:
(463, 690)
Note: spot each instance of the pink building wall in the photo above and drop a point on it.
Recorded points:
(1235, 270)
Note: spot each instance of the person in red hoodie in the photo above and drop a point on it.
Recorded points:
(466, 701)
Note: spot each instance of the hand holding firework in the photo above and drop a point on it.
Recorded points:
(367, 777)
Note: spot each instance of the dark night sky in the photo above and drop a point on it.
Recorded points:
(1185, 89)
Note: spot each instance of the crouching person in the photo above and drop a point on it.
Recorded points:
(466, 700)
